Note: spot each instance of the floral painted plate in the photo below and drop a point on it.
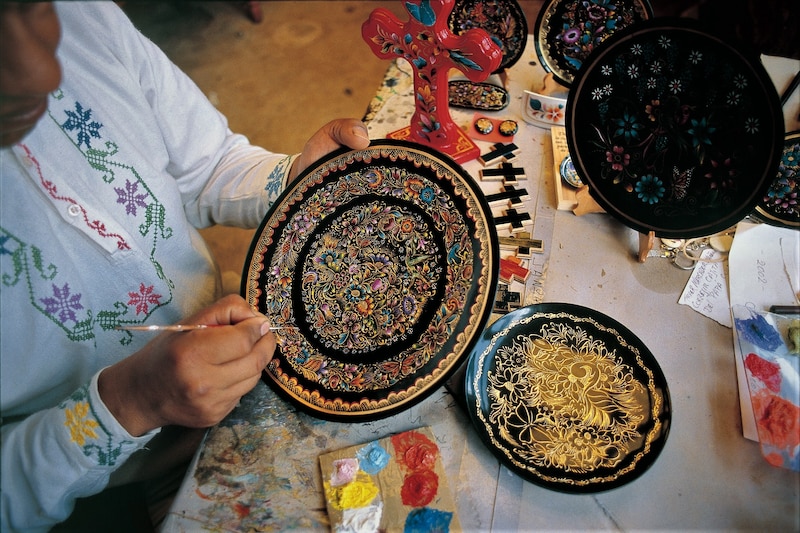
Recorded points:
(674, 130)
(504, 20)
(781, 204)
(567, 31)
(568, 398)
(384, 262)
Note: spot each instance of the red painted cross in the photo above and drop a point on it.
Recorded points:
(427, 43)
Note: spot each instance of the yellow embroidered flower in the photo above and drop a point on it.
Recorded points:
(80, 428)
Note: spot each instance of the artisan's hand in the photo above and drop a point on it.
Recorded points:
(194, 378)
(335, 134)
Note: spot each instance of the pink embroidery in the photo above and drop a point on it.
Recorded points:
(142, 298)
(52, 190)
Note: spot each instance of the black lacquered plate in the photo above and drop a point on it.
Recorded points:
(504, 20)
(568, 398)
(781, 203)
(673, 129)
(567, 31)
(384, 261)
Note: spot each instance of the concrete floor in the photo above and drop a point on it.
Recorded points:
(277, 81)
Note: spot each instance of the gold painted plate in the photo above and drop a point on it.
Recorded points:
(568, 398)
(384, 262)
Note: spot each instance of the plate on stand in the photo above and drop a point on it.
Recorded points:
(383, 262)
(780, 206)
(567, 31)
(504, 20)
(673, 129)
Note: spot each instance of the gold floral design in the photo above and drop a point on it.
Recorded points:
(565, 396)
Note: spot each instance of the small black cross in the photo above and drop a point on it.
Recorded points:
(506, 172)
(515, 221)
(502, 151)
(509, 194)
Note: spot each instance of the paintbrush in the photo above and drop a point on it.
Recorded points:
(184, 327)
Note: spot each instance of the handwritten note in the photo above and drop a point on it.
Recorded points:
(707, 289)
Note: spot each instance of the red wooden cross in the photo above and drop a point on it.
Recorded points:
(426, 42)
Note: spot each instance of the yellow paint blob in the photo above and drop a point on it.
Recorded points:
(358, 493)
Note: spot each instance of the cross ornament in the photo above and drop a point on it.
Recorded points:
(426, 42)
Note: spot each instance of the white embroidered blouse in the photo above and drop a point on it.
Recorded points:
(100, 205)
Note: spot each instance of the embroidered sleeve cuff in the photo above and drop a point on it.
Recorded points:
(94, 430)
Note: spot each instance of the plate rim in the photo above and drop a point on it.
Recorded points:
(492, 266)
(665, 417)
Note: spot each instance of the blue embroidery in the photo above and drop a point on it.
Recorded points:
(81, 120)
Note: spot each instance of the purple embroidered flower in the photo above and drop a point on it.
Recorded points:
(129, 198)
(62, 303)
(81, 120)
(143, 299)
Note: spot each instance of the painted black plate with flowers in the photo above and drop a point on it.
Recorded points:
(504, 20)
(383, 264)
(674, 130)
(780, 205)
(567, 31)
(568, 398)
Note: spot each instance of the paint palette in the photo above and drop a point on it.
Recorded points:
(568, 398)
(396, 483)
(770, 345)
(660, 147)
(384, 261)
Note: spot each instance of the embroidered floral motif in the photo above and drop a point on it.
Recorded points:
(80, 427)
(3, 249)
(87, 431)
(52, 190)
(80, 120)
(129, 197)
(27, 259)
(143, 299)
(63, 303)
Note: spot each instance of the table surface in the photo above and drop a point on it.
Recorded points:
(259, 469)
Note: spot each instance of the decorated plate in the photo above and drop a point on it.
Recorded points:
(568, 398)
(781, 205)
(502, 19)
(674, 130)
(383, 264)
(567, 31)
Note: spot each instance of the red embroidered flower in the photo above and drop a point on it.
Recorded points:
(419, 488)
(143, 299)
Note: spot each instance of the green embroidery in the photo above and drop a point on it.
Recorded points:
(26, 258)
(87, 431)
